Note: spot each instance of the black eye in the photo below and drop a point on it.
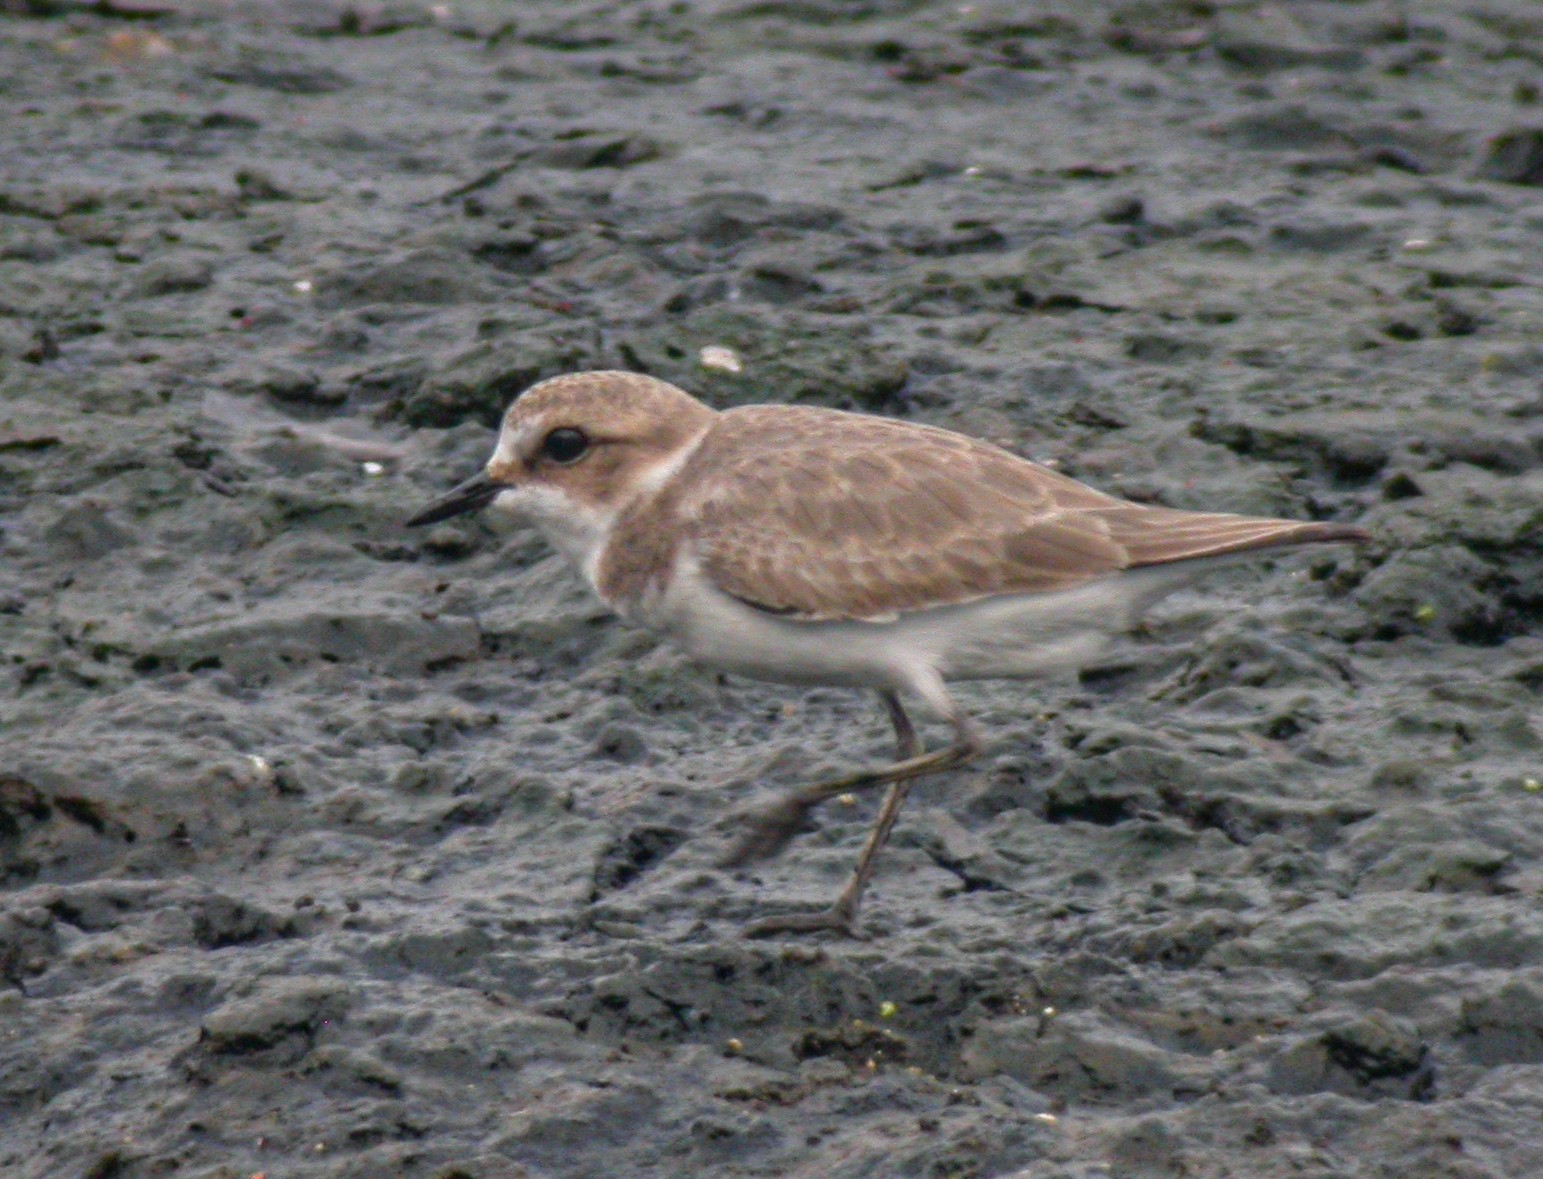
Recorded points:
(565, 445)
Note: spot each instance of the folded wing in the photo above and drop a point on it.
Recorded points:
(867, 518)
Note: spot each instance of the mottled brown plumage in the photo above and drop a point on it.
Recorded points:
(822, 515)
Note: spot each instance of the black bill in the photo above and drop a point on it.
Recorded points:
(477, 492)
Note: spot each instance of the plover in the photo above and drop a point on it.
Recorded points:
(815, 546)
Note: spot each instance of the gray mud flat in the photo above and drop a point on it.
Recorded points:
(329, 849)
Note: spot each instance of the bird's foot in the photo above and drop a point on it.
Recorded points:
(836, 919)
(767, 832)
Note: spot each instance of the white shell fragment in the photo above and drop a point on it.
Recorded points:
(715, 356)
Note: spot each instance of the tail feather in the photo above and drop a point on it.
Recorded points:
(1163, 536)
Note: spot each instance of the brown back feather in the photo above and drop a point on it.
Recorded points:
(819, 514)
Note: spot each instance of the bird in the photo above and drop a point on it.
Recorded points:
(815, 546)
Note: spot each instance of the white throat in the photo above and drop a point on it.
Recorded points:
(576, 529)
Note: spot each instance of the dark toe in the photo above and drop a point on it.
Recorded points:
(767, 833)
(828, 920)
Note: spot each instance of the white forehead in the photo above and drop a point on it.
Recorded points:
(513, 440)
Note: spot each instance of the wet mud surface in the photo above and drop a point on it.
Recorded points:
(331, 849)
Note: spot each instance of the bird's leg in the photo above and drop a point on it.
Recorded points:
(771, 829)
(776, 826)
(842, 916)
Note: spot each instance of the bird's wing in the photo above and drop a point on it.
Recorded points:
(864, 518)
(837, 516)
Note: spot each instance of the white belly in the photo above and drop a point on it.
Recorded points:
(1008, 637)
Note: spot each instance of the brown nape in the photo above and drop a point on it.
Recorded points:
(1162, 536)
